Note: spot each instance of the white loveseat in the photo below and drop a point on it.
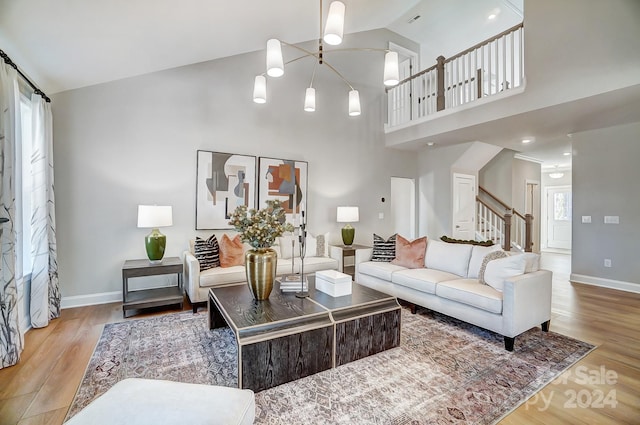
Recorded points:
(197, 283)
(448, 283)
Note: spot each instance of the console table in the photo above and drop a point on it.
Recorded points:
(144, 298)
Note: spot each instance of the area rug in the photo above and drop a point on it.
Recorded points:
(445, 371)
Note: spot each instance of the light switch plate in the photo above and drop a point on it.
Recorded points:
(611, 219)
(586, 219)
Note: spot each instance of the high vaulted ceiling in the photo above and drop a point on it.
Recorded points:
(67, 44)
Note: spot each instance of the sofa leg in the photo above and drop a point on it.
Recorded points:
(545, 326)
(508, 343)
(414, 308)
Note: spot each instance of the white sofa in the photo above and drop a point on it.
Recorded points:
(448, 283)
(197, 283)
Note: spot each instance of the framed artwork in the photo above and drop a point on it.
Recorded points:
(223, 182)
(284, 180)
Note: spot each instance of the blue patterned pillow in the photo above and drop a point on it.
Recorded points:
(207, 252)
(384, 251)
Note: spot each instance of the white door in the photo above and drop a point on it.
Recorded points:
(464, 206)
(403, 207)
(559, 217)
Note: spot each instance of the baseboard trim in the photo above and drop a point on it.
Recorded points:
(91, 299)
(606, 283)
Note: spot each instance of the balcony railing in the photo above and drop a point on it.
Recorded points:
(486, 69)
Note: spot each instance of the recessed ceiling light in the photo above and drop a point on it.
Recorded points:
(492, 16)
(566, 153)
(430, 143)
(525, 141)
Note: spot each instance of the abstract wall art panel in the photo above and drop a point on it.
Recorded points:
(223, 182)
(284, 180)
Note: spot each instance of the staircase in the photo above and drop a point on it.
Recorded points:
(502, 224)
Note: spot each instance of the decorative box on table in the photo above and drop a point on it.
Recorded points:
(333, 283)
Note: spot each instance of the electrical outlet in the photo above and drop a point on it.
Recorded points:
(381, 216)
(611, 219)
(607, 262)
(586, 219)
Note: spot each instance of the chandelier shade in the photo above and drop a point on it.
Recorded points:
(391, 69)
(332, 35)
(310, 100)
(275, 63)
(260, 89)
(334, 29)
(354, 103)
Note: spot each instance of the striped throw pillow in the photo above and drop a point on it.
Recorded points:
(207, 252)
(384, 251)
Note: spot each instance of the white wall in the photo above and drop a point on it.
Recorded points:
(134, 141)
(605, 178)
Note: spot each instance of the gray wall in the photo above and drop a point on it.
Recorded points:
(497, 176)
(436, 168)
(605, 178)
(134, 141)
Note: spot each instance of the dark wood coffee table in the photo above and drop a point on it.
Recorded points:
(286, 338)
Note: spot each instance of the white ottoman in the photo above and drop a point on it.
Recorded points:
(148, 401)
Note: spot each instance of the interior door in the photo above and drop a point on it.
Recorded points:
(559, 217)
(464, 206)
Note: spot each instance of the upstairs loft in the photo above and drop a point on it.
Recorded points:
(555, 81)
(487, 69)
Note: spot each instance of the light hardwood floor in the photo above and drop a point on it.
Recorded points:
(41, 387)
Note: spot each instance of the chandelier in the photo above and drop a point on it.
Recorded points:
(333, 32)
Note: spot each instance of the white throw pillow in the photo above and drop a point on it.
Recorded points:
(497, 271)
(317, 246)
(477, 255)
(448, 257)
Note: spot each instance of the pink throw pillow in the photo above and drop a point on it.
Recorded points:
(231, 251)
(410, 254)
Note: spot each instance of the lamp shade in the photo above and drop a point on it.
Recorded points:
(391, 69)
(354, 103)
(334, 29)
(275, 63)
(310, 100)
(260, 89)
(347, 215)
(154, 216)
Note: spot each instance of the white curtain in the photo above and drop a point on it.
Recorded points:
(45, 290)
(11, 342)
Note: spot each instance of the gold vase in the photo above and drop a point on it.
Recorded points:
(260, 266)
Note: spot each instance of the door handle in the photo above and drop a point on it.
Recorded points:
(457, 227)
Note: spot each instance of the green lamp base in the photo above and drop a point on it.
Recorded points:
(348, 233)
(155, 242)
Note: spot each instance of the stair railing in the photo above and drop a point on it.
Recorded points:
(488, 68)
(510, 228)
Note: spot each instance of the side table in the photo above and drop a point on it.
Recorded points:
(144, 298)
(346, 256)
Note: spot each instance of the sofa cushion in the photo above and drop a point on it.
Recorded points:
(471, 292)
(424, 280)
(384, 251)
(448, 257)
(410, 254)
(222, 275)
(498, 270)
(231, 251)
(313, 264)
(477, 255)
(381, 270)
(207, 252)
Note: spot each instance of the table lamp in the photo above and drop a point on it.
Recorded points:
(348, 215)
(153, 217)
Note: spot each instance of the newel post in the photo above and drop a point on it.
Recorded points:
(528, 228)
(507, 232)
(440, 89)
